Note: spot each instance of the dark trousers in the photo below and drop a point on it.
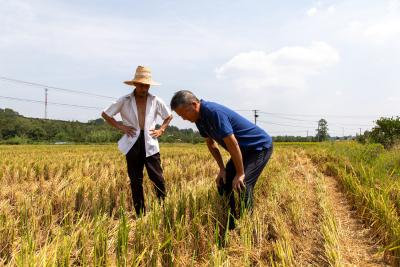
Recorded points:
(253, 163)
(136, 160)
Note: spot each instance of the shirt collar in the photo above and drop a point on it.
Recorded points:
(133, 94)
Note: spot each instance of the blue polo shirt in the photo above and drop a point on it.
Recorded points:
(217, 122)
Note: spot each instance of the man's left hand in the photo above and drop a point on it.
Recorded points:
(238, 183)
(156, 133)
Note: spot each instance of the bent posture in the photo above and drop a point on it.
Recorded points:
(249, 146)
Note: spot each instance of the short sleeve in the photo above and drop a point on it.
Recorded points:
(222, 124)
(114, 108)
(162, 110)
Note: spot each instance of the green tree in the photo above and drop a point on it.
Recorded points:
(61, 136)
(386, 132)
(322, 131)
(101, 136)
(36, 133)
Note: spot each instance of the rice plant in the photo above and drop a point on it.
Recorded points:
(72, 205)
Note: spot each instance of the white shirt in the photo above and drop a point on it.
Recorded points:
(127, 108)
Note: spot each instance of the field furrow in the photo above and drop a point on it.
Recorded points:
(357, 244)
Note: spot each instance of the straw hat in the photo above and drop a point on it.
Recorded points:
(142, 75)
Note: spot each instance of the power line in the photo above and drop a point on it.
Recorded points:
(302, 120)
(324, 115)
(287, 125)
(54, 87)
(50, 103)
(281, 115)
(332, 125)
(294, 119)
(241, 110)
(99, 108)
(284, 132)
(284, 117)
(349, 124)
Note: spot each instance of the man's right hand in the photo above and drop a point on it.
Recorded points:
(129, 131)
(220, 181)
(221, 177)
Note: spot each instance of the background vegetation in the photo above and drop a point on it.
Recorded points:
(17, 129)
(386, 132)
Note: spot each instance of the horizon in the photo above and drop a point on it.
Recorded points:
(179, 128)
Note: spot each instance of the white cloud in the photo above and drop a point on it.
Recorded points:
(380, 25)
(382, 31)
(331, 9)
(319, 8)
(393, 99)
(385, 30)
(288, 67)
(62, 31)
(312, 11)
(393, 5)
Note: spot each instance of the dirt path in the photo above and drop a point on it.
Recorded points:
(310, 246)
(356, 244)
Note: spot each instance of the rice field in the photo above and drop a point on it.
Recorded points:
(318, 205)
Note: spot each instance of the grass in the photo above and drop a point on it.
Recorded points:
(329, 226)
(371, 176)
(71, 205)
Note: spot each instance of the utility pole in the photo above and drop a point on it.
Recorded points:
(45, 103)
(360, 131)
(255, 116)
(343, 132)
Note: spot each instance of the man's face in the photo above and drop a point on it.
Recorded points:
(141, 90)
(189, 112)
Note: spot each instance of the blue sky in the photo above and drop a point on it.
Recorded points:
(332, 59)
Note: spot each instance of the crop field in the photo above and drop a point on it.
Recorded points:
(331, 204)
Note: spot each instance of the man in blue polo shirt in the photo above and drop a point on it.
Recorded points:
(250, 146)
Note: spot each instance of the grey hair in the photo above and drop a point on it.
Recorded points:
(182, 98)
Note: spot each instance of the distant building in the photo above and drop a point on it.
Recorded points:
(60, 143)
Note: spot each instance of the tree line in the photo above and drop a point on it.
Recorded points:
(321, 134)
(17, 129)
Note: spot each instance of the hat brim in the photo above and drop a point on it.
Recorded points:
(137, 82)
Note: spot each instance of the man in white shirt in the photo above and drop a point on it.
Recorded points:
(139, 111)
